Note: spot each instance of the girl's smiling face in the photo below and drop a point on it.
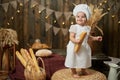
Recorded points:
(81, 18)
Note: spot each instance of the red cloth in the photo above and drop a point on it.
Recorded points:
(52, 64)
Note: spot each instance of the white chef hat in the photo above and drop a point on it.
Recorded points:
(82, 8)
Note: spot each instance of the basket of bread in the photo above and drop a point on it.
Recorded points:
(32, 70)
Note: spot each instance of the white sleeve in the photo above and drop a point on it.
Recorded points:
(72, 28)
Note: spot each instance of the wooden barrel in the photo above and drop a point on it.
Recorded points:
(65, 74)
(3, 75)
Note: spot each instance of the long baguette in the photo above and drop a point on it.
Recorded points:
(22, 60)
(25, 55)
(34, 59)
(77, 46)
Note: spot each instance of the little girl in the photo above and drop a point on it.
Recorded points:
(81, 59)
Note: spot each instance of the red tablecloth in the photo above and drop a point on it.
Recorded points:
(52, 64)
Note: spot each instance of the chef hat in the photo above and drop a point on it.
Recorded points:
(82, 8)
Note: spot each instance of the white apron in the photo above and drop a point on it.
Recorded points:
(82, 59)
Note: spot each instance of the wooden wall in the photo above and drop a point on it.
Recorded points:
(31, 25)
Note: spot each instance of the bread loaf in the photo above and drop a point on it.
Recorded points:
(77, 46)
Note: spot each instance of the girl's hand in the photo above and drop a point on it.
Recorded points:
(99, 38)
(77, 41)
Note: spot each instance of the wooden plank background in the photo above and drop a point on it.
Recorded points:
(30, 25)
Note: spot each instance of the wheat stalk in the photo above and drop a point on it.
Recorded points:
(97, 14)
(8, 37)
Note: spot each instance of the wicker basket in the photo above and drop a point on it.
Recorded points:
(31, 74)
(65, 74)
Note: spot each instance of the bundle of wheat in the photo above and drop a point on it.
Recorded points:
(97, 14)
(32, 70)
(8, 37)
